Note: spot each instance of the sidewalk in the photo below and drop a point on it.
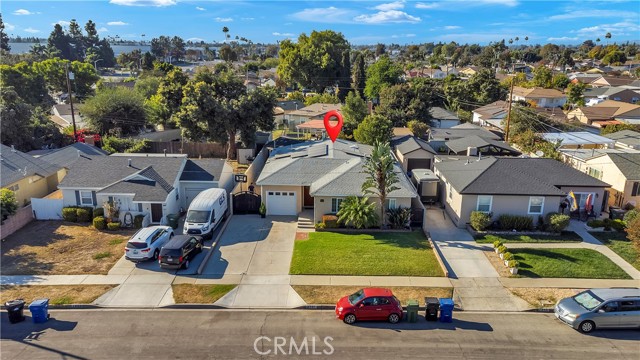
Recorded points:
(567, 283)
(327, 280)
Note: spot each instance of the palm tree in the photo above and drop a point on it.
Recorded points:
(225, 30)
(381, 176)
(608, 36)
(357, 212)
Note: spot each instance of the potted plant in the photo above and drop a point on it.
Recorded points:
(501, 250)
(507, 257)
(496, 245)
(262, 210)
(513, 266)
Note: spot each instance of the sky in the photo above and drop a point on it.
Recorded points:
(362, 22)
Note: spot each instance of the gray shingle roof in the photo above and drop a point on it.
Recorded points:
(67, 155)
(439, 113)
(409, 143)
(629, 165)
(514, 176)
(627, 137)
(202, 170)
(460, 131)
(17, 165)
(459, 145)
(147, 186)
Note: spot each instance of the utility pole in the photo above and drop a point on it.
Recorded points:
(73, 115)
(506, 137)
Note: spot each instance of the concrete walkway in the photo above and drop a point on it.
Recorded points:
(485, 294)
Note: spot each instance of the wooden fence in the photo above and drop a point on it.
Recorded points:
(192, 149)
(16, 221)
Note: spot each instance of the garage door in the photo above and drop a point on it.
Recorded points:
(191, 193)
(281, 203)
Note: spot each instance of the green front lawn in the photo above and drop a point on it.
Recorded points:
(566, 263)
(566, 236)
(618, 242)
(401, 254)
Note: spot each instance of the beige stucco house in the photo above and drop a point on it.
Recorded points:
(542, 97)
(622, 171)
(516, 186)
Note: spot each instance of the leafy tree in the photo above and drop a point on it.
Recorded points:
(171, 90)
(418, 128)
(325, 98)
(560, 81)
(614, 58)
(177, 50)
(59, 42)
(381, 175)
(359, 75)
(8, 203)
(161, 47)
(381, 74)
(317, 61)
(114, 144)
(218, 107)
(148, 86)
(575, 93)
(14, 127)
(4, 39)
(296, 95)
(157, 112)
(227, 53)
(116, 110)
(380, 49)
(374, 128)
(54, 73)
(28, 84)
(357, 212)
(609, 129)
(353, 111)
(633, 232)
(400, 104)
(542, 77)
(485, 88)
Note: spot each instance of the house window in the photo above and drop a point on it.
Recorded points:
(484, 203)
(177, 195)
(140, 207)
(595, 173)
(335, 204)
(86, 198)
(536, 204)
(14, 188)
(391, 204)
(635, 190)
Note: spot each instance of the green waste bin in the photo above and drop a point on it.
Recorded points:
(412, 310)
(172, 220)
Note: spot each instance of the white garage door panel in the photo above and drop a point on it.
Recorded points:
(282, 203)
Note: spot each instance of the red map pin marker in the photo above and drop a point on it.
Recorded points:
(333, 131)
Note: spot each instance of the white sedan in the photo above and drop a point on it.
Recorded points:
(147, 242)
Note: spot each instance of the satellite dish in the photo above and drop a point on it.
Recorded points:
(539, 153)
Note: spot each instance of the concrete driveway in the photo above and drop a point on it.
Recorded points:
(256, 253)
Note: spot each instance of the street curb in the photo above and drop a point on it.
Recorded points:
(63, 307)
(194, 307)
(213, 245)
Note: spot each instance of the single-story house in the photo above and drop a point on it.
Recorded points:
(312, 112)
(542, 97)
(441, 118)
(612, 93)
(622, 171)
(625, 139)
(413, 152)
(69, 155)
(319, 175)
(578, 140)
(515, 186)
(491, 114)
(475, 145)
(63, 116)
(611, 81)
(284, 108)
(438, 137)
(150, 184)
(28, 177)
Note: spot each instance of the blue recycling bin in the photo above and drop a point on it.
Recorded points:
(446, 310)
(39, 310)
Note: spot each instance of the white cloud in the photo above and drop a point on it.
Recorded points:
(24, 12)
(510, 3)
(451, 27)
(324, 15)
(403, 36)
(31, 30)
(195, 39)
(390, 6)
(621, 28)
(61, 23)
(156, 3)
(201, 9)
(102, 30)
(247, 19)
(496, 24)
(117, 23)
(563, 38)
(390, 16)
(595, 14)
(9, 26)
(283, 34)
(427, 5)
(219, 19)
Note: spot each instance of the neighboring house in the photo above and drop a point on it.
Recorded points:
(438, 137)
(28, 177)
(268, 82)
(625, 139)
(433, 73)
(475, 145)
(413, 152)
(311, 112)
(605, 112)
(609, 81)
(515, 186)
(470, 71)
(622, 171)
(150, 184)
(63, 118)
(491, 114)
(251, 84)
(284, 108)
(578, 140)
(583, 78)
(67, 156)
(320, 175)
(612, 93)
(542, 97)
(441, 118)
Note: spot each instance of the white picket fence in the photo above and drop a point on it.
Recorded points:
(47, 209)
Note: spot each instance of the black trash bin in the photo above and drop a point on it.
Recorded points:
(433, 305)
(15, 308)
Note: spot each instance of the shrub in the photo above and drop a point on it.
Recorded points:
(399, 217)
(496, 244)
(618, 225)
(629, 206)
(98, 212)
(113, 226)
(262, 209)
(595, 223)
(502, 249)
(541, 224)
(515, 222)
(558, 222)
(357, 212)
(631, 215)
(8, 203)
(606, 223)
(479, 220)
(330, 221)
(137, 221)
(513, 263)
(507, 256)
(320, 226)
(70, 214)
(83, 215)
(633, 232)
(99, 223)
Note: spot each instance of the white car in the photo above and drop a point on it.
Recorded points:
(147, 242)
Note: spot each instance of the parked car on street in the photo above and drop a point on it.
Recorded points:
(179, 251)
(369, 304)
(146, 243)
(601, 308)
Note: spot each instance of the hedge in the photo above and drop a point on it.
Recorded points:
(98, 212)
(113, 226)
(557, 222)
(480, 220)
(83, 215)
(70, 214)
(99, 223)
(515, 222)
(330, 221)
(137, 221)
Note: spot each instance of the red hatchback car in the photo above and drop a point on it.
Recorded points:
(369, 304)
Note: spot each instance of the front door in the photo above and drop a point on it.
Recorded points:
(156, 213)
(308, 199)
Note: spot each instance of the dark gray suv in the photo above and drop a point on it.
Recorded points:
(601, 308)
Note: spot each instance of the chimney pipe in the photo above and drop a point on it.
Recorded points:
(165, 152)
(13, 148)
(78, 153)
(129, 162)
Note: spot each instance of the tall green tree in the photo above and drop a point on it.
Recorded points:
(317, 61)
(542, 77)
(28, 84)
(171, 90)
(4, 39)
(359, 75)
(354, 111)
(8, 203)
(374, 128)
(115, 110)
(382, 178)
(54, 72)
(218, 107)
(485, 88)
(575, 94)
(324, 98)
(381, 74)
(401, 104)
(59, 42)
(14, 127)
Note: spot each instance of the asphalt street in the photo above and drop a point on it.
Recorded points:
(228, 334)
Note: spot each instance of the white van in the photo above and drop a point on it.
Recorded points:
(206, 211)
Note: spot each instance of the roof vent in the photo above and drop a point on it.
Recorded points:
(78, 153)
(13, 148)
(129, 162)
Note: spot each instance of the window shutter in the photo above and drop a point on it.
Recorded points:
(78, 198)
(95, 201)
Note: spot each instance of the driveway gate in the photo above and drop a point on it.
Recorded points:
(246, 202)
